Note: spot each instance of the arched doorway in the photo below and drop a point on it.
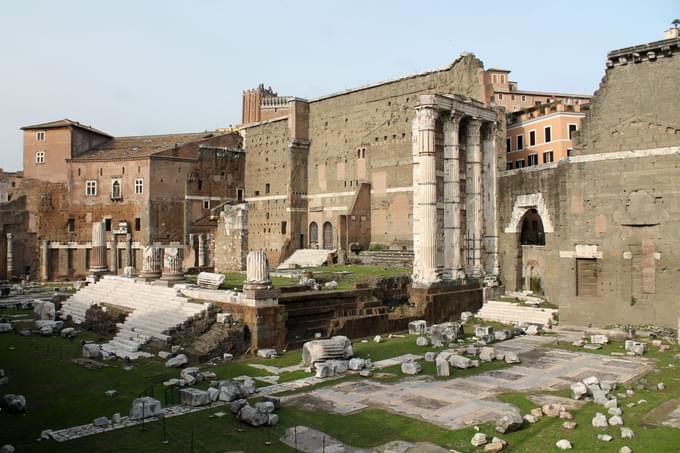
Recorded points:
(327, 235)
(532, 229)
(531, 256)
(313, 235)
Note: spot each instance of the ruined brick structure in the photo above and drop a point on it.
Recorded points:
(597, 232)
(159, 189)
(338, 169)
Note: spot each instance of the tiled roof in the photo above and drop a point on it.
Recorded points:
(64, 123)
(141, 146)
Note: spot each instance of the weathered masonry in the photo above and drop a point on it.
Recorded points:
(453, 182)
(597, 233)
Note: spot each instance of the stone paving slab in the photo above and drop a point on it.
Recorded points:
(460, 402)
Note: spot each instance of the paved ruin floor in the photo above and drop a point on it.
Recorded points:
(461, 402)
(309, 440)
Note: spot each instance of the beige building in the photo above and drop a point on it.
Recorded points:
(542, 134)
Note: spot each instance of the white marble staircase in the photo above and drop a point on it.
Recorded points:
(154, 310)
(306, 258)
(510, 313)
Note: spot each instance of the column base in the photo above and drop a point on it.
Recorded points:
(171, 279)
(149, 275)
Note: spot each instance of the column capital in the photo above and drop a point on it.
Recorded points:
(456, 116)
(10, 236)
(426, 115)
(489, 129)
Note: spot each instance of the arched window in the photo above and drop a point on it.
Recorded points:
(313, 235)
(115, 190)
(532, 229)
(327, 235)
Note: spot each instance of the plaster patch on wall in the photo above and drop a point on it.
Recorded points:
(523, 203)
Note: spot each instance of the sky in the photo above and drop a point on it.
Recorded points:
(151, 67)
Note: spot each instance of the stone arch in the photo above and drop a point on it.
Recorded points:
(522, 205)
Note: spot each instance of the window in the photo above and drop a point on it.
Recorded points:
(200, 185)
(547, 157)
(532, 138)
(502, 78)
(239, 194)
(139, 185)
(71, 225)
(508, 145)
(524, 98)
(569, 151)
(138, 224)
(40, 136)
(40, 157)
(115, 190)
(532, 159)
(520, 142)
(519, 163)
(500, 95)
(266, 188)
(547, 133)
(108, 224)
(206, 204)
(508, 165)
(512, 97)
(572, 129)
(494, 78)
(90, 188)
(283, 227)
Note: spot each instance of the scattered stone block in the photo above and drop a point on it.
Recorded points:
(487, 354)
(578, 390)
(553, 410)
(599, 421)
(365, 373)
(68, 332)
(566, 415)
(496, 445)
(411, 367)
(511, 357)
(175, 349)
(530, 418)
(593, 346)
(15, 404)
(661, 386)
(443, 368)
(101, 422)
(614, 411)
(604, 437)
(502, 335)
(533, 329)
(110, 393)
(164, 355)
(250, 415)
(275, 400)
(115, 418)
(236, 405)
(635, 347)
(323, 370)
(7, 448)
(145, 407)
(418, 327)
(232, 390)
(45, 310)
(378, 339)
(509, 423)
(422, 341)
(194, 397)
(466, 316)
(563, 444)
(213, 394)
(599, 339)
(430, 356)
(627, 433)
(46, 331)
(569, 425)
(458, 361)
(338, 347)
(478, 439)
(625, 449)
(615, 420)
(537, 412)
(177, 361)
(578, 343)
(266, 353)
(356, 364)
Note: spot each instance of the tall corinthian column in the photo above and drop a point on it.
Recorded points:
(201, 250)
(425, 198)
(98, 252)
(453, 264)
(10, 256)
(490, 195)
(473, 198)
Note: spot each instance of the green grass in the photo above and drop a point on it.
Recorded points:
(360, 273)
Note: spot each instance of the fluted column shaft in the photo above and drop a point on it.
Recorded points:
(10, 256)
(473, 197)
(172, 264)
(490, 196)
(128, 250)
(453, 263)
(114, 253)
(425, 197)
(257, 269)
(201, 250)
(45, 264)
(98, 252)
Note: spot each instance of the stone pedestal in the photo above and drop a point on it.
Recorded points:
(98, 252)
(172, 265)
(152, 264)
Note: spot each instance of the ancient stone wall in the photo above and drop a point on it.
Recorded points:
(231, 239)
(636, 104)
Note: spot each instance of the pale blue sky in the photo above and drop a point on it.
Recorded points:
(149, 67)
